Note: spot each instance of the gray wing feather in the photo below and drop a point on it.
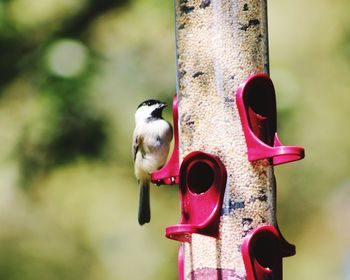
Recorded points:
(135, 146)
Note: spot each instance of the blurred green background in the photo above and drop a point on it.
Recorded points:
(71, 75)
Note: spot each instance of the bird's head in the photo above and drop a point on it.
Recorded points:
(149, 110)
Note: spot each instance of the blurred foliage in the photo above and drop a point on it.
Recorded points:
(68, 127)
(71, 75)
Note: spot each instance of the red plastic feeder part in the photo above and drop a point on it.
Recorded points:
(202, 186)
(169, 174)
(256, 104)
(181, 263)
(262, 251)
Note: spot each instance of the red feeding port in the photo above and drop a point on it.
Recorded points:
(202, 186)
(262, 251)
(256, 104)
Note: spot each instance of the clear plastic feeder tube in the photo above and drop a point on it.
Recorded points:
(219, 44)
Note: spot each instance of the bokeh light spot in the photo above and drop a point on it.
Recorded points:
(67, 58)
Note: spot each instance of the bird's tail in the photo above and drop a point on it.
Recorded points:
(144, 204)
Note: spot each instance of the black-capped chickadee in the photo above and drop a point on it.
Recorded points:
(151, 141)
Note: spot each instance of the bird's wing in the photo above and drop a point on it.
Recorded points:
(135, 146)
(137, 143)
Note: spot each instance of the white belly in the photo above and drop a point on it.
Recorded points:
(155, 144)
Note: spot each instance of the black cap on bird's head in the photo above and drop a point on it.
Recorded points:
(153, 108)
(151, 102)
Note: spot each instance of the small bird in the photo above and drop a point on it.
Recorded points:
(150, 148)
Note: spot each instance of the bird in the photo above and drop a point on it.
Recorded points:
(150, 148)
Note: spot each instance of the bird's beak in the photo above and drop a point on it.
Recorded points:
(162, 105)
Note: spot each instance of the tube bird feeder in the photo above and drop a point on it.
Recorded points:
(226, 144)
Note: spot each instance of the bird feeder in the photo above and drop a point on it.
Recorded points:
(226, 144)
